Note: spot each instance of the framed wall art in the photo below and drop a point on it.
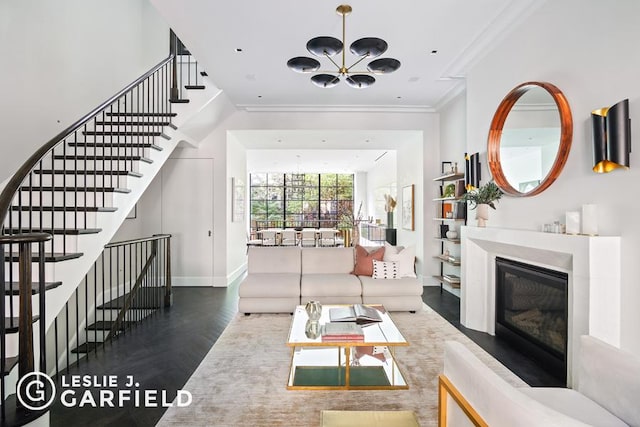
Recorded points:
(407, 208)
(238, 195)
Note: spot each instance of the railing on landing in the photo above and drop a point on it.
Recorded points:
(127, 283)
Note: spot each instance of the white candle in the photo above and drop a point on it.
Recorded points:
(589, 220)
(572, 221)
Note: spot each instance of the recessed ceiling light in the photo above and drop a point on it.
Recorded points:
(259, 96)
(399, 97)
(367, 140)
(434, 52)
(279, 140)
(238, 49)
(324, 140)
(413, 79)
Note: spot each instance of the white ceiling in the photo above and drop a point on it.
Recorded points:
(336, 151)
(269, 33)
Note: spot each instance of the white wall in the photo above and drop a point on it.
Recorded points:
(588, 49)
(236, 231)
(65, 57)
(382, 179)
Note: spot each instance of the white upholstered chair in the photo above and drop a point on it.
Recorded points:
(606, 394)
(269, 237)
(327, 238)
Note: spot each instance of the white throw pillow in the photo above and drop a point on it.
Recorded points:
(405, 257)
(385, 270)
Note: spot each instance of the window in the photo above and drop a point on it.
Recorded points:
(299, 199)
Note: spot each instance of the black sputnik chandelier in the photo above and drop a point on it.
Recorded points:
(328, 47)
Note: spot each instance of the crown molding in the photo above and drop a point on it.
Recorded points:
(336, 108)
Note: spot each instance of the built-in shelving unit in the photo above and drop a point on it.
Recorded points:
(451, 212)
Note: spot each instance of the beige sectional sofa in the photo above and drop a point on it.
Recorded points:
(279, 278)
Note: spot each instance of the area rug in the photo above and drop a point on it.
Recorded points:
(242, 381)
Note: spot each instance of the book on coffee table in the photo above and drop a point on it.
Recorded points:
(342, 331)
(355, 313)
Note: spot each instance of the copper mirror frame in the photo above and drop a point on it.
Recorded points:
(495, 134)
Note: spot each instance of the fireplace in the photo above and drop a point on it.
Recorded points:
(531, 312)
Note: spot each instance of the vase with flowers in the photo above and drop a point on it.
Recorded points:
(350, 221)
(482, 199)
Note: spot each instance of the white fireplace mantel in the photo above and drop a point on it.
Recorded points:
(591, 262)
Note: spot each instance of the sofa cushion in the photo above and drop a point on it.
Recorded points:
(327, 260)
(270, 285)
(330, 285)
(364, 260)
(385, 270)
(274, 260)
(387, 287)
(405, 257)
(573, 404)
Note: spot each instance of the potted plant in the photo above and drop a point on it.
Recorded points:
(483, 198)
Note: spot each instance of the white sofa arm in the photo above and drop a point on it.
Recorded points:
(611, 377)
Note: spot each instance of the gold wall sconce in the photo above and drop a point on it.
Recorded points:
(611, 137)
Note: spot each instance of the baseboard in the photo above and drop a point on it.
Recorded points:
(237, 273)
(202, 281)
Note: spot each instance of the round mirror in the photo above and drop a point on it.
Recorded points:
(529, 139)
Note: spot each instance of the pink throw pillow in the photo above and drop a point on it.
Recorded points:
(364, 260)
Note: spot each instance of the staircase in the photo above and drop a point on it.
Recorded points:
(70, 198)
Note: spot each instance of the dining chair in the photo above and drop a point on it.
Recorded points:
(268, 238)
(308, 238)
(289, 238)
(327, 238)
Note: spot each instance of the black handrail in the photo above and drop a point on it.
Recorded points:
(16, 181)
(140, 240)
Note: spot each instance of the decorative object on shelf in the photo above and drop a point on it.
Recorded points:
(452, 234)
(443, 230)
(481, 199)
(389, 206)
(572, 222)
(449, 190)
(611, 137)
(472, 171)
(326, 47)
(407, 208)
(314, 310)
(535, 114)
(590, 220)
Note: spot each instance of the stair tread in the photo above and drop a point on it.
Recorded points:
(37, 209)
(121, 132)
(92, 157)
(77, 189)
(12, 288)
(9, 363)
(179, 101)
(116, 144)
(67, 231)
(105, 325)
(83, 172)
(48, 256)
(11, 323)
(142, 114)
(146, 297)
(86, 347)
(197, 87)
(131, 123)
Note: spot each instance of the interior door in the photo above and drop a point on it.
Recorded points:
(187, 214)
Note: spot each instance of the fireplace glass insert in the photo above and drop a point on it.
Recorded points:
(531, 312)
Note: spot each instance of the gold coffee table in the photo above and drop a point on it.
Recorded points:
(344, 365)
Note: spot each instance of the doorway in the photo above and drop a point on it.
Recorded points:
(187, 214)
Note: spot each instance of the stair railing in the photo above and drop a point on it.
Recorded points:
(22, 320)
(128, 283)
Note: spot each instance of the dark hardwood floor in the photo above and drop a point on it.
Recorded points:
(163, 351)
